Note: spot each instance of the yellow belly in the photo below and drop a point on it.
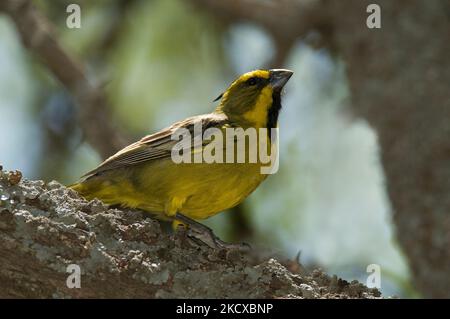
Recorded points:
(165, 188)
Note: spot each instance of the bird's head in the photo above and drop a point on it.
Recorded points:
(253, 99)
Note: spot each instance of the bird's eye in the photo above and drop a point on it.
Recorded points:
(252, 81)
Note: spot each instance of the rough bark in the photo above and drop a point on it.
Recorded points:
(399, 79)
(44, 227)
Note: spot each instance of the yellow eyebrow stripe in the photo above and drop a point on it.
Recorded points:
(257, 73)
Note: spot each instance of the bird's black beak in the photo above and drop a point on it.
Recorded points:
(279, 77)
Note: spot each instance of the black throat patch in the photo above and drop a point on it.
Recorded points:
(274, 110)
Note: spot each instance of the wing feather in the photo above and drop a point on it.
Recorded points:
(155, 146)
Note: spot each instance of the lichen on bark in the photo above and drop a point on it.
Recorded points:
(44, 227)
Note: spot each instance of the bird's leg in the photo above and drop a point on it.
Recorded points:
(206, 235)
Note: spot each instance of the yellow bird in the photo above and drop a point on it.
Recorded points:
(145, 176)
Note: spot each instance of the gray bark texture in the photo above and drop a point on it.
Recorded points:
(44, 227)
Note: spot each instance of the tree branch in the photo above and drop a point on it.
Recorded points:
(38, 35)
(46, 227)
(288, 18)
(285, 20)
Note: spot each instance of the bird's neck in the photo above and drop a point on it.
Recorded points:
(262, 113)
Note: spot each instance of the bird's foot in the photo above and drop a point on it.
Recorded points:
(204, 234)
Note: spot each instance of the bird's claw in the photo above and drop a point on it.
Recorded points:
(201, 233)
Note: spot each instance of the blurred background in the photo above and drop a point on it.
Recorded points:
(160, 61)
